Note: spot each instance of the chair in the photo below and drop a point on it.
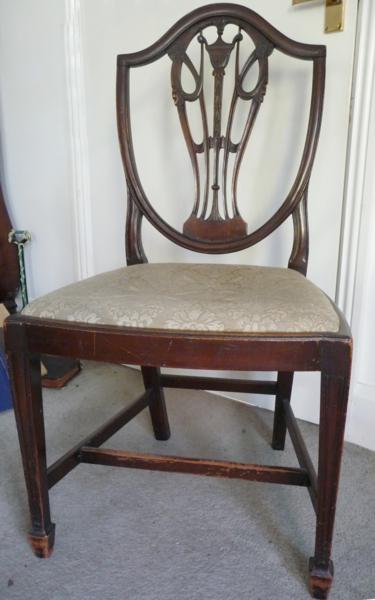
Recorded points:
(198, 316)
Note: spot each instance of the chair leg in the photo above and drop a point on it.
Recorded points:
(28, 408)
(334, 398)
(158, 409)
(284, 391)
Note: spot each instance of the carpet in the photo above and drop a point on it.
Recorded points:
(140, 535)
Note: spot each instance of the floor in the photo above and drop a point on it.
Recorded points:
(139, 535)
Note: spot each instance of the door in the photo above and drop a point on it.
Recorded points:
(126, 27)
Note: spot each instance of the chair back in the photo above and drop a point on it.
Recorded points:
(215, 224)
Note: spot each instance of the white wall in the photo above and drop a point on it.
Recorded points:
(36, 158)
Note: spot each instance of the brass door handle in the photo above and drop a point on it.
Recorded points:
(334, 14)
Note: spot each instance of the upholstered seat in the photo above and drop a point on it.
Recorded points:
(204, 297)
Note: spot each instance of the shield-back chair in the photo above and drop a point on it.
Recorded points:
(199, 316)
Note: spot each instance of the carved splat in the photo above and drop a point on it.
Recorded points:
(214, 216)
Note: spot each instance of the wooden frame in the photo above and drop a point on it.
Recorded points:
(295, 203)
(328, 353)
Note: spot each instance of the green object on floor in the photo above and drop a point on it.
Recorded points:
(20, 237)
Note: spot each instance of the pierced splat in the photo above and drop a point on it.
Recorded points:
(213, 217)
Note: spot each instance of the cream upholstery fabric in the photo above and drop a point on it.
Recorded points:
(194, 297)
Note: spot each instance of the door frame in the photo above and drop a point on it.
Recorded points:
(359, 160)
(356, 242)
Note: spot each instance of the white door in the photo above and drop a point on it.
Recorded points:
(116, 27)
(356, 289)
(64, 76)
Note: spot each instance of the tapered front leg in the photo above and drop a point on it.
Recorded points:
(158, 409)
(28, 408)
(284, 391)
(334, 399)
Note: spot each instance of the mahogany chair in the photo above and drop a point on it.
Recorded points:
(199, 316)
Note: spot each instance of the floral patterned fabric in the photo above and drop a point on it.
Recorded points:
(195, 297)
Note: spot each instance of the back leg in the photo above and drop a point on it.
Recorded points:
(284, 391)
(158, 409)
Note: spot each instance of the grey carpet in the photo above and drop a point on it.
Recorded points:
(139, 535)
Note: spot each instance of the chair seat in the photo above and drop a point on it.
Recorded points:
(204, 297)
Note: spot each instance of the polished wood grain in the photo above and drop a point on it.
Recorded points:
(218, 229)
(219, 384)
(219, 220)
(195, 466)
(71, 459)
(284, 391)
(333, 407)
(302, 453)
(177, 349)
(212, 233)
(28, 408)
(158, 409)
